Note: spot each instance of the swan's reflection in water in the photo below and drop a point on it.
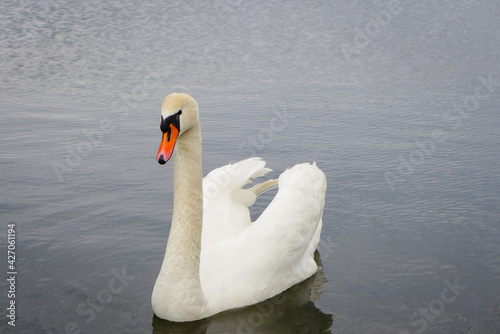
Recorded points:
(292, 311)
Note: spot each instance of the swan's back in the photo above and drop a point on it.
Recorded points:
(273, 253)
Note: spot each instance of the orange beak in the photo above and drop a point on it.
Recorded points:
(167, 144)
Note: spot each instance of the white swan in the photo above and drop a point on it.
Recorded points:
(216, 258)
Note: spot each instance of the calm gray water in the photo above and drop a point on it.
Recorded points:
(397, 101)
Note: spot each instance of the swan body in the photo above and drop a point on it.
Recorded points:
(216, 258)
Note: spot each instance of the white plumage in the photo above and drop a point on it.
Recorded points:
(216, 258)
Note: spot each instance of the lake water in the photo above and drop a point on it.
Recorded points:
(398, 102)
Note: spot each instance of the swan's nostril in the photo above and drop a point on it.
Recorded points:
(161, 160)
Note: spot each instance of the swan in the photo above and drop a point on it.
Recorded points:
(216, 258)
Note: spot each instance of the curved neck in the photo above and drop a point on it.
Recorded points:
(187, 218)
(179, 277)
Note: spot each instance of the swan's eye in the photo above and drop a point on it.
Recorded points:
(178, 114)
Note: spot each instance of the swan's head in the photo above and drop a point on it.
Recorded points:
(179, 112)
